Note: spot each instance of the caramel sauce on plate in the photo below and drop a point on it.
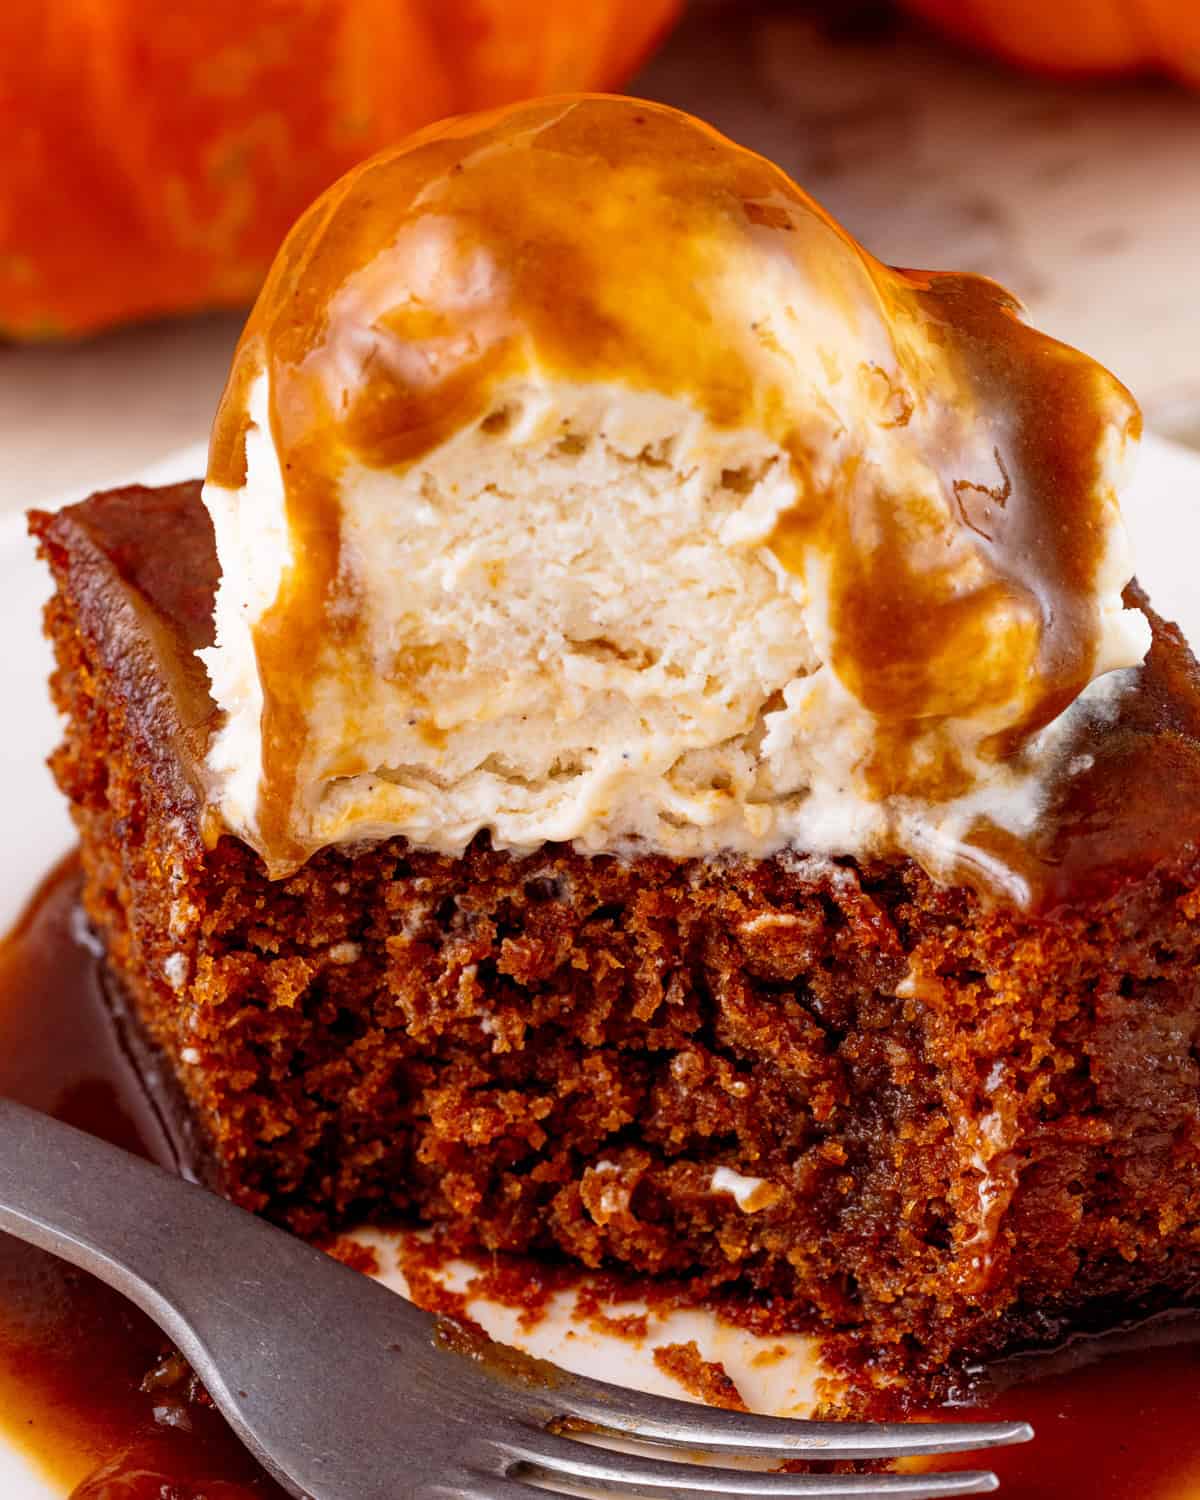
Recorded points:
(1109, 1426)
(948, 459)
(88, 1387)
(83, 1384)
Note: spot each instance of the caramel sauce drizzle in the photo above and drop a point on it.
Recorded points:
(602, 239)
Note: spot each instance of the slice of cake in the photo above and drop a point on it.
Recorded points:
(645, 749)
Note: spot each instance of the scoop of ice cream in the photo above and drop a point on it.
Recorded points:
(578, 478)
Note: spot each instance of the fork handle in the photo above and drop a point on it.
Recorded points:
(132, 1224)
(245, 1303)
(175, 1249)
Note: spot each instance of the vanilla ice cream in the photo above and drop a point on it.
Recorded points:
(578, 479)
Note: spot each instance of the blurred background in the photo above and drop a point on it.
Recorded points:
(155, 154)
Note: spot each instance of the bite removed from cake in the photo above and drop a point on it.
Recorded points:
(657, 762)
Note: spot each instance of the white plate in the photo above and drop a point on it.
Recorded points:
(1163, 510)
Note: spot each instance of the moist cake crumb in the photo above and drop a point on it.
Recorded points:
(352, 1253)
(706, 1379)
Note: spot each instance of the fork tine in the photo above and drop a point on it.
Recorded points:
(817, 1487)
(548, 1459)
(661, 1421)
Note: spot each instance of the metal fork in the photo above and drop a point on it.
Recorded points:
(345, 1391)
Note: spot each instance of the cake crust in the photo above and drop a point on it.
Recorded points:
(972, 1125)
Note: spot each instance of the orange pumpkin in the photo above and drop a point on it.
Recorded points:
(154, 155)
(1078, 36)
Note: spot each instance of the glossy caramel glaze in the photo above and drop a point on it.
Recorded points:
(947, 457)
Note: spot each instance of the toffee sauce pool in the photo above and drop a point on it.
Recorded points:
(88, 1388)
(84, 1389)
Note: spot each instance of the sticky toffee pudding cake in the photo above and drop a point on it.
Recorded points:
(646, 750)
